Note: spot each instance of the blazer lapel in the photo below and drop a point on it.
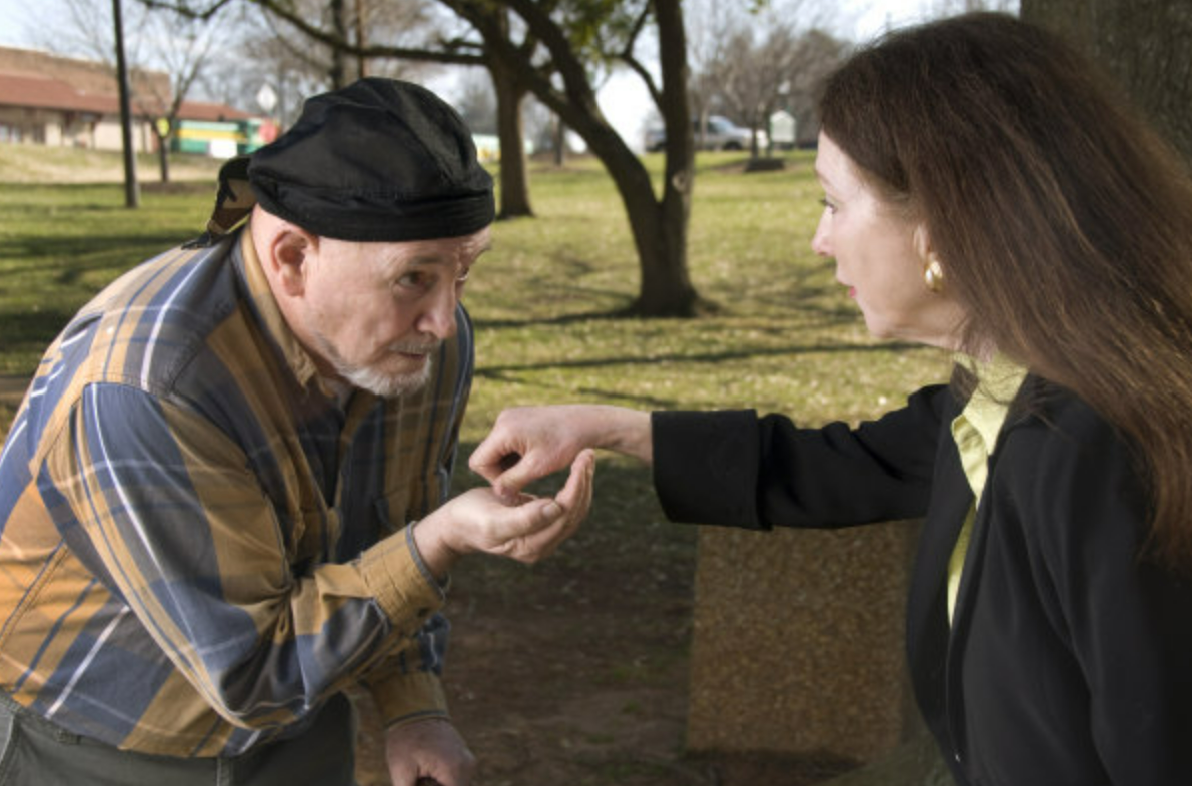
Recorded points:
(927, 621)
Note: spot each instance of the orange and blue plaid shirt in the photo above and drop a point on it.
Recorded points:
(199, 543)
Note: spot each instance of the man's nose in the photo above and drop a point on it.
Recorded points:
(438, 318)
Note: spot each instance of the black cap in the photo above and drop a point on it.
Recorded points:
(379, 160)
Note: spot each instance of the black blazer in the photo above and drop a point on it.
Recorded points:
(1069, 660)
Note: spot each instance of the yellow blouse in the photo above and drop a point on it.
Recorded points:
(975, 432)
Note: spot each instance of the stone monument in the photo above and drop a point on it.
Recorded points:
(799, 642)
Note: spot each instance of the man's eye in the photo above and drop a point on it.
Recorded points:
(413, 280)
(463, 276)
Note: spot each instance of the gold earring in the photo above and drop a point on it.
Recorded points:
(933, 274)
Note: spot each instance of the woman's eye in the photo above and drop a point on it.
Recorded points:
(827, 203)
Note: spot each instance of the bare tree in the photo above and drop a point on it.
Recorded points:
(561, 50)
(183, 59)
(816, 53)
(558, 51)
(156, 41)
(325, 23)
(752, 73)
(314, 46)
(707, 24)
(290, 66)
(754, 60)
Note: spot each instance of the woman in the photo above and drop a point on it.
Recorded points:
(986, 193)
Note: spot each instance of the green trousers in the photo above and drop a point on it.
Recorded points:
(35, 752)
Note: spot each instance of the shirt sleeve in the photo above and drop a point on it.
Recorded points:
(739, 469)
(166, 514)
(406, 686)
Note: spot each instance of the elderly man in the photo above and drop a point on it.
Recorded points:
(223, 497)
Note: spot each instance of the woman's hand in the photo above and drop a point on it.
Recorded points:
(529, 443)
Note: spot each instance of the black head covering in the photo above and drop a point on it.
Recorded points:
(379, 160)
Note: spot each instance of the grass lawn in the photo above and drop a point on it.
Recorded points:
(785, 338)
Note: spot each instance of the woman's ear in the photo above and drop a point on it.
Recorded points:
(922, 241)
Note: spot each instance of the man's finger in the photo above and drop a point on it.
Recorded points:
(542, 543)
(579, 481)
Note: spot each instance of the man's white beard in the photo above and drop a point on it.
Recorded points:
(378, 382)
(388, 385)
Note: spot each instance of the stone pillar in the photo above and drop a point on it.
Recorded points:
(799, 642)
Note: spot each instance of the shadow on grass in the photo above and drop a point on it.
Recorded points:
(29, 332)
(497, 372)
(129, 249)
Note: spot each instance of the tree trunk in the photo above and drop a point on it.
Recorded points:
(337, 73)
(560, 141)
(1142, 43)
(163, 153)
(514, 185)
(361, 25)
(660, 229)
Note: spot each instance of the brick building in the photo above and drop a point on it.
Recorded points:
(48, 99)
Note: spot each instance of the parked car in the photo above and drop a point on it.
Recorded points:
(720, 134)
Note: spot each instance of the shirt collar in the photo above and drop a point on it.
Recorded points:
(296, 356)
(998, 381)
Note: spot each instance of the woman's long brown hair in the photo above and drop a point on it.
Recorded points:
(1063, 221)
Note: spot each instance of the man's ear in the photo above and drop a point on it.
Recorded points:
(291, 251)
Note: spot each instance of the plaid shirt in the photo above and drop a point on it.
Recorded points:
(199, 544)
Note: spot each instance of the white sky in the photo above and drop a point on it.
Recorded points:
(624, 100)
(627, 104)
(18, 17)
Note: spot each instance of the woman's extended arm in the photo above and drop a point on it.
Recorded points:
(528, 443)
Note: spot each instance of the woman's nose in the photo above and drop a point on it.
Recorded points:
(819, 241)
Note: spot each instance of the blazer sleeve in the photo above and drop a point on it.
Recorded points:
(734, 468)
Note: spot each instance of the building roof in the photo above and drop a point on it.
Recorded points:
(31, 90)
(43, 81)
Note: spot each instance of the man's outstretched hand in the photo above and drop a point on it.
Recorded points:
(516, 526)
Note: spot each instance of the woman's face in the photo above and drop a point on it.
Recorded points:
(881, 256)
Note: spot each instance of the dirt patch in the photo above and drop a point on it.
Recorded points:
(575, 671)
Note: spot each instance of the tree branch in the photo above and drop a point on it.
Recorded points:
(336, 41)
